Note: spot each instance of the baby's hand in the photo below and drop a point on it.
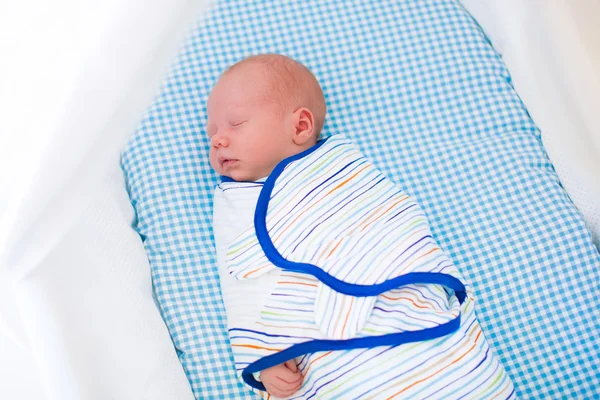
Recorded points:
(282, 380)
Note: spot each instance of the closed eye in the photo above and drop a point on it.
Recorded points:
(239, 123)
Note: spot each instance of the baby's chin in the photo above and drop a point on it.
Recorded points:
(242, 176)
(239, 171)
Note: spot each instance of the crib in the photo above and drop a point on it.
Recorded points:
(78, 315)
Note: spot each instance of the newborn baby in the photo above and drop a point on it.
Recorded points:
(332, 282)
(261, 111)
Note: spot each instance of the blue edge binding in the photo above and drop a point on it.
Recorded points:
(313, 346)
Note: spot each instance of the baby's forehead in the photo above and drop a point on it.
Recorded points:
(280, 73)
(240, 87)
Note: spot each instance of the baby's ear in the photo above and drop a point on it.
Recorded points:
(304, 126)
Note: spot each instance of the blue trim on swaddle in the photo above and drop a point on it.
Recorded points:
(313, 346)
(260, 225)
(229, 179)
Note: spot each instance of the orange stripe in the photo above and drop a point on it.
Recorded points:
(429, 304)
(347, 180)
(315, 360)
(255, 270)
(348, 314)
(405, 298)
(321, 199)
(336, 246)
(384, 213)
(430, 376)
(443, 312)
(298, 276)
(421, 256)
(251, 346)
(299, 283)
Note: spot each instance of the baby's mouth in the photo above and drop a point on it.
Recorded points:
(227, 162)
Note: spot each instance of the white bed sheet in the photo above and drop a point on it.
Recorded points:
(86, 110)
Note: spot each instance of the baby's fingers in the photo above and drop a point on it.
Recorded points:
(291, 364)
(281, 389)
(282, 380)
(288, 376)
(286, 383)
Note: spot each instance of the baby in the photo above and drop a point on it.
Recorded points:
(333, 284)
(262, 110)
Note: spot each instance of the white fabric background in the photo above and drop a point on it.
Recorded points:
(82, 319)
(79, 76)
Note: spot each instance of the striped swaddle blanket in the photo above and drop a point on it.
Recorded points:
(328, 262)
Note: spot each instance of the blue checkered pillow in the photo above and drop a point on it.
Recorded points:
(421, 91)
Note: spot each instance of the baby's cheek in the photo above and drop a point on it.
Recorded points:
(212, 158)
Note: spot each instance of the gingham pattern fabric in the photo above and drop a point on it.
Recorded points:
(417, 86)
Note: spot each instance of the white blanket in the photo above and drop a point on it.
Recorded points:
(329, 263)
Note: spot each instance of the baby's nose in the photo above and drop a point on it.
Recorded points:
(219, 140)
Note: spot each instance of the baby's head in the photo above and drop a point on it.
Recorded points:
(262, 109)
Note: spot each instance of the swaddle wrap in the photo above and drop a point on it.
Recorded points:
(328, 254)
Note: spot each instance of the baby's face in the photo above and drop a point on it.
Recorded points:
(249, 133)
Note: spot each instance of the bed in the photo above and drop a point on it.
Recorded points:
(78, 244)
